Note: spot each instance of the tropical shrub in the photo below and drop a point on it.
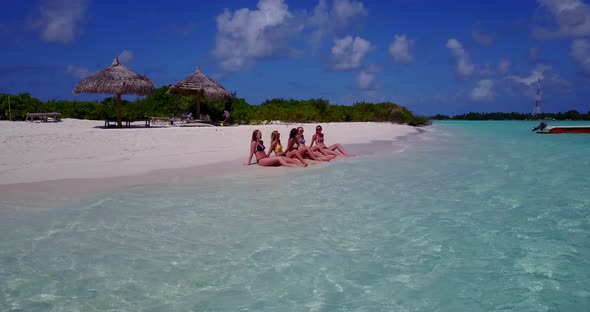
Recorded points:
(162, 104)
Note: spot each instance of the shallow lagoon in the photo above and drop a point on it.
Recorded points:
(469, 216)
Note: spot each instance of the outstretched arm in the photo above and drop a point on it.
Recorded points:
(271, 148)
(252, 147)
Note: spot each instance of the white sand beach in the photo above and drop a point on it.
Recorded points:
(83, 149)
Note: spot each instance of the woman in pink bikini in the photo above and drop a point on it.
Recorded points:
(318, 138)
(318, 151)
(257, 148)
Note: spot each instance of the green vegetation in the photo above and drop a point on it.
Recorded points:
(162, 104)
(569, 115)
(320, 110)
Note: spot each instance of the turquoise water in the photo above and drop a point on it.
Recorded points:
(470, 216)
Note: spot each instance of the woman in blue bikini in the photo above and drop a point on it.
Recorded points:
(293, 146)
(257, 148)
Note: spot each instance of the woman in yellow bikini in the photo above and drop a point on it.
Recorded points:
(275, 146)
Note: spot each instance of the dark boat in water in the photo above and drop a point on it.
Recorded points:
(544, 128)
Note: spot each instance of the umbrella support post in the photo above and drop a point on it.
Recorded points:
(198, 106)
(119, 111)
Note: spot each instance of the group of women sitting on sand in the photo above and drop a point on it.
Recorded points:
(296, 152)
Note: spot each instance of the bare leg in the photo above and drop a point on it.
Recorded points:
(325, 152)
(339, 148)
(312, 155)
(303, 150)
(295, 154)
(317, 154)
(268, 162)
(295, 161)
(283, 161)
(274, 161)
(322, 157)
(289, 161)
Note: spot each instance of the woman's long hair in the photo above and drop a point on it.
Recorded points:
(273, 136)
(254, 135)
(320, 134)
(300, 134)
(293, 133)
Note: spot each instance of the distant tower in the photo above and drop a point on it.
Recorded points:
(537, 110)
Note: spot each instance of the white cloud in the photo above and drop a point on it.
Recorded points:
(504, 67)
(60, 20)
(320, 19)
(400, 49)
(464, 68)
(126, 56)
(456, 49)
(488, 70)
(246, 35)
(580, 51)
(78, 72)
(347, 10)
(484, 91)
(551, 82)
(536, 74)
(366, 79)
(348, 53)
(572, 19)
(480, 37)
(336, 20)
(460, 58)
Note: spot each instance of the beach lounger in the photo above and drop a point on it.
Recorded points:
(43, 116)
(186, 117)
(127, 121)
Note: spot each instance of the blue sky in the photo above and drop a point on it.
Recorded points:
(447, 57)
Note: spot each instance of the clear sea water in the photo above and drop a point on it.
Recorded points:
(470, 216)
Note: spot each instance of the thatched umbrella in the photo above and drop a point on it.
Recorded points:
(119, 80)
(201, 86)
